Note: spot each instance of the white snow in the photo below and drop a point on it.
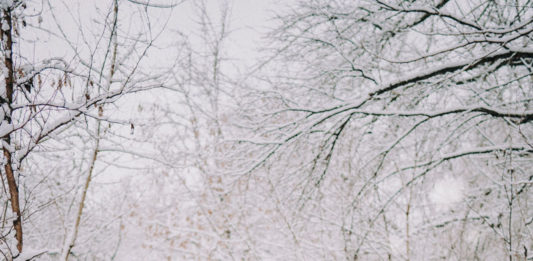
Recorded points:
(5, 26)
(6, 3)
(446, 192)
(30, 254)
(5, 128)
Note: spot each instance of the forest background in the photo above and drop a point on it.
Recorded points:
(266, 130)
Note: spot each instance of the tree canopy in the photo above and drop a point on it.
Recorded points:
(350, 130)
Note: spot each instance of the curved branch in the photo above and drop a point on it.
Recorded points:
(512, 54)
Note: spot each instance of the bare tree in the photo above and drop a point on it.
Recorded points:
(193, 207)
(43, 96)
(374, 130)
(403, 121)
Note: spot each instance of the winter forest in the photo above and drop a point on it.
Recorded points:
(266, 130)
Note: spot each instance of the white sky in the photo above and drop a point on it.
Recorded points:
(249, 20)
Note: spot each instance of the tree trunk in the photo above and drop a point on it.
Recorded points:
(9, 81)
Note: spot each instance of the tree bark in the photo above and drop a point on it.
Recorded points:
(9, 81)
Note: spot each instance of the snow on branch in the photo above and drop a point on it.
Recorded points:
(511, 54)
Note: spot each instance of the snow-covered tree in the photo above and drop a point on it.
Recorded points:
(399, 129)
(63, 65)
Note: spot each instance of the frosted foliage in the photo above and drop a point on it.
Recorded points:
(266, 130)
